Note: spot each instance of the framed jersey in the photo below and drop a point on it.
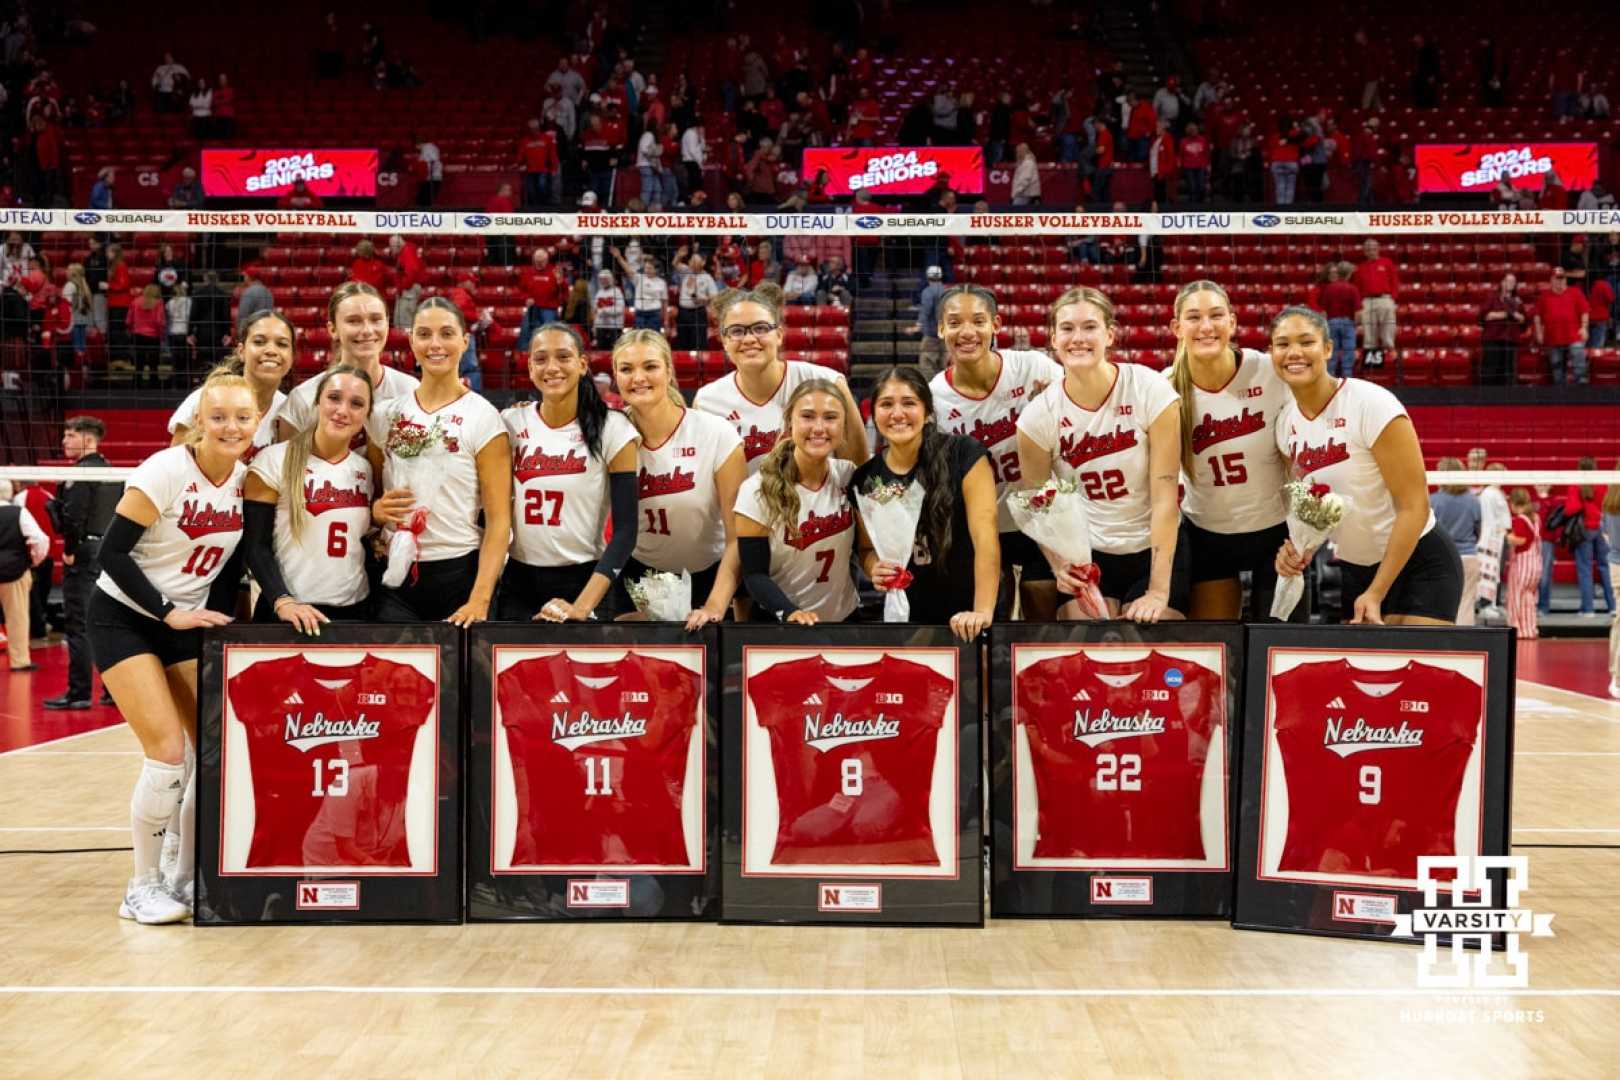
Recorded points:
(851, 776)
(329, 773)
(591, 773)
(1367, 749)
(1112, 768)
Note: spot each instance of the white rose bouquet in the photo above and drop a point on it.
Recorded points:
(1314, 512)
(1054, 516)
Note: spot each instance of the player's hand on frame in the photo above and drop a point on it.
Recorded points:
(304, 618)
(558, 610)
(968, 625)
(181, 619)
(474, 610)
(803, 618)
(701, 617)
(1290, 563)
(393, 507)
(1369, 610)
(1147, 608)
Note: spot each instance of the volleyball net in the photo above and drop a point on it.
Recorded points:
(118, 314)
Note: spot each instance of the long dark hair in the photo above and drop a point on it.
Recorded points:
(591, 411)
(933, 464)
(1588, 493)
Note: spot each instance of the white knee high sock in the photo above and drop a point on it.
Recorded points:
(186, 823)
(157, 792)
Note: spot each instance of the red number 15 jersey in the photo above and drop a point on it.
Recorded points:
(1118, 752)
(852, 747)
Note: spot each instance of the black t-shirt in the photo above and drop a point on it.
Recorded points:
(937, 591)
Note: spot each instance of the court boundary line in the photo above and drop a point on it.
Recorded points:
(32, 747)
(826, 991)
(1565, 690)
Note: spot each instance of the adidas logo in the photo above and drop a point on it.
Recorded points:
(956, 414)
(735, 417)
(813, 699)
(1336, 703)
(1066, 423)
(293, 699)
(191, 488)
(1081, 696)
(559, 698)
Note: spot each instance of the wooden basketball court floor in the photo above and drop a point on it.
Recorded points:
(83, 993)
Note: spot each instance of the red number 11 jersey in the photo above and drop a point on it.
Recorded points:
(599, 753)
(852, 747)
(1118, 752)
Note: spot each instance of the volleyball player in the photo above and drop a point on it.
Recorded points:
(691, 467)
(1113, 429)
(956, 559)
(753, 398)
(1356, 437)
(574, 461)
(981, 393)
(264, 353)
(176, 528)
(795, 528)
(357, 319)
(308, 510)
(457, 564)
(1232, 470)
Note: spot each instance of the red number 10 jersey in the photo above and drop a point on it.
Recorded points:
(1118, 751)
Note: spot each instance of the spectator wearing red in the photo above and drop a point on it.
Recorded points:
(471, 372)
(370, 269)
(1340, 301)
(1140, 124)
(538, 161)
(1379, 282)
(542, 283)
(410, 274)
(864, 116)
(1554, 196)
(36, 499)
(1195, 159)
(1503, 318)
(1162, 164)
(300, 198)
(1102, 180)
(1283, 155)
(148, 322)
(1585, 501)
(225, 108)
(119, 297)
(1560, 327)
(1364, 159)
(1600, 302)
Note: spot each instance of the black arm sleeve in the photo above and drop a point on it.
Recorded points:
(227, 587)
(122, 536)
(623, 497)
(259, 542)
(755, 555)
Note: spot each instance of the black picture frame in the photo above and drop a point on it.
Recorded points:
(879, 895)
(507, 895)
(241, 897)
(1128, 888)
(1355, 906)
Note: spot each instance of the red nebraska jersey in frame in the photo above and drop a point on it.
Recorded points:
(1118, 750)
(852, 748)
(1372, 778)
(309, 728)
(599, 757)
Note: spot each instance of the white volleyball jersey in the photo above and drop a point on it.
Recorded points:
(198, 526)
(444, 478)
(1334, 447)
(812, 568)
(299, 411)
(993, 418)
(758, 422)
(560, 501)
(263, 435)
(1238, 471)
(681, 526)
(326, 562)
(1105, 451)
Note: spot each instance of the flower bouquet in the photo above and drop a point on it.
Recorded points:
(415, 457)
(662, 595)
(1313, 513)
(1054, 516)
(890, 512)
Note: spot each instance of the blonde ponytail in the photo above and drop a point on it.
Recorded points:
(1181, 373)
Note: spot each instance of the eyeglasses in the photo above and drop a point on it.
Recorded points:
(738, 332)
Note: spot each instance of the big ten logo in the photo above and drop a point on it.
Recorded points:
(1339, 422)
(640, 697)
(686, 451)
(371, 699)
(1017, 391)
(1469, 919)
(1414, 706)
(1255, 391)
(1155, 695)
(1122, 410)
(148, 178)
(886, 698)
(388, 179)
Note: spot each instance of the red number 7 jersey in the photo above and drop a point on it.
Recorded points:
(599, 754)
(852, 747)
(1118, 751)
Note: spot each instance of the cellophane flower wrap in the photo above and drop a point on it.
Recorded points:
(662, 595)
(1314, 512)
(890, 511)
(415, 457)
(1054, 516)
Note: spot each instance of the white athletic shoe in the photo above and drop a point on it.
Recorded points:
(148, 900)
(1614, 688)
(183, 891)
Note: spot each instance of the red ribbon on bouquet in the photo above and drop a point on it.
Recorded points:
(1086, 572)
(902, 579)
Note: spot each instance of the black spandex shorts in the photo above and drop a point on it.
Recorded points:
(118, 632)
(1214, 556)
(1429, 585)
(264, 611)
(1125, 577)
(433, 592)
(1019, 550)
(526, 589)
